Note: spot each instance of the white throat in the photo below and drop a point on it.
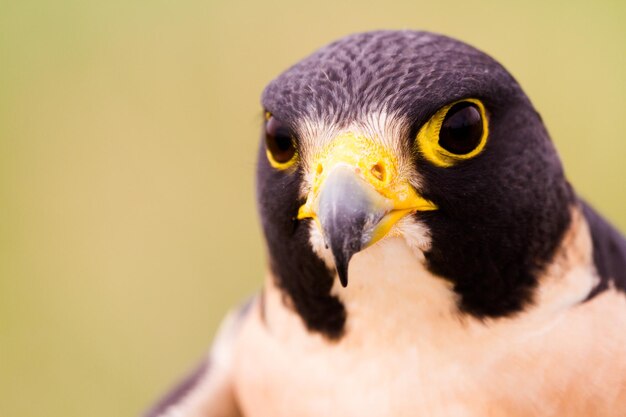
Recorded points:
(390, 290)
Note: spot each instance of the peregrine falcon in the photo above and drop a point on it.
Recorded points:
(427, 256)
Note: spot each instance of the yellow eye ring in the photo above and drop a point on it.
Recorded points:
(280, 165)
(469, 118)
(280, 145)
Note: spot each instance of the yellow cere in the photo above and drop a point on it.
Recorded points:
(369, 159)
(428, 137)
(374, 163)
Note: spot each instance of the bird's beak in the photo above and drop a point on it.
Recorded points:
(357, 196)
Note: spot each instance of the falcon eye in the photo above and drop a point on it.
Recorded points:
(279, 143)
(462, 129)
(456, 132)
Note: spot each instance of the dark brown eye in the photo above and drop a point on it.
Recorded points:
(462, 129)
(279, 141)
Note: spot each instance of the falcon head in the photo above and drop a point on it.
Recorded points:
(412, 135)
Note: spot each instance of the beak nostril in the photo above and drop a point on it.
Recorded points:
(378, 171)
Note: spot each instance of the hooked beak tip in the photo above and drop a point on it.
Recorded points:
(352, 215)
(342, 271)
(343, 248)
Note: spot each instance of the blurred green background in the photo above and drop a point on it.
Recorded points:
(127, 141)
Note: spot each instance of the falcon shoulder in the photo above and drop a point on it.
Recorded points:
(207, 390)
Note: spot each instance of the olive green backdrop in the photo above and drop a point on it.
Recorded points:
(128, 133)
